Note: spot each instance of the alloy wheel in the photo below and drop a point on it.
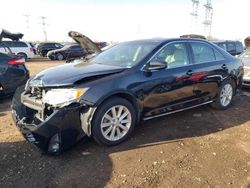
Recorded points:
(116, 123)
(226, 95)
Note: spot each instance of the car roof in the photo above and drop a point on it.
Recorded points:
(221, 41)
(163, 40)
(14, 41)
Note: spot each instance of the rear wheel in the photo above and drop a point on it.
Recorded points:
(113, 121)
(21, 54)
(225, 95)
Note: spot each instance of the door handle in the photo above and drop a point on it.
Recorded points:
(224, 66)
(189, 72)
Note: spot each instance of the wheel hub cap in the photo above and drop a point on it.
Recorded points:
(116, 122)
(226, 95)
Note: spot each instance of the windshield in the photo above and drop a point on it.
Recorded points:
(125, 54)
(245, 54)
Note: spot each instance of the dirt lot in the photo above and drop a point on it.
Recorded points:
(196, 148)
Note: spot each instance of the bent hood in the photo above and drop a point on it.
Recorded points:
(68, 74)
(85, 42)
(9, 35)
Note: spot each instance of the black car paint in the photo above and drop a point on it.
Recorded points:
(152, 93)
(68, 52)
(44, 48)
(11, 76)
(68, 74)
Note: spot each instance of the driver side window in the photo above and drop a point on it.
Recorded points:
(174, 55)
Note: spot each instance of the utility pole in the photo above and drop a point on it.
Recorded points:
(43, 19)
(208, 18)
(194, 15)
(27, 21)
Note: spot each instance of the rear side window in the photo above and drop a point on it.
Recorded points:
(230, 47)
(202, 53)
(58, 45)
(239, 47)
(218, 55)
(20, 44)
(75, 48)
(223, 46)
(49, 45)
(15, 44)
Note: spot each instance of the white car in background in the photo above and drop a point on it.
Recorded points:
(20, 48)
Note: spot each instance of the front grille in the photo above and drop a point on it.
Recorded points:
(36, 92)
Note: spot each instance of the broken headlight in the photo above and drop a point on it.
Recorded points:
(63, 97)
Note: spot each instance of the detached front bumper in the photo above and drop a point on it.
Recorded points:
(58, 132)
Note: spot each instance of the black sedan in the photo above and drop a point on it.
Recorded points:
(13, 73)
(107, 96)
(45, 47)
(71, 51)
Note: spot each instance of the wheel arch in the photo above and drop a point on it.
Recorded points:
(234, 79)
(125, 95)
(86, 118)
(23, 53)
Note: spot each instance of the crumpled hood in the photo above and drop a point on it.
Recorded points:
(85, 42)
(68, 74)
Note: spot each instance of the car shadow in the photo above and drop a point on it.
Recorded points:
(90, 165)
(5, 103)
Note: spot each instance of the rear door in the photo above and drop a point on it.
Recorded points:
(209, 69)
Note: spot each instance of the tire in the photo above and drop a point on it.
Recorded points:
(52, 57)
(59, 56)
(227, 87)
(108, 130)
(24, 55)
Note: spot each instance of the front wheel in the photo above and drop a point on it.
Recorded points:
(113, 121)
(225, 95)
(59, 56)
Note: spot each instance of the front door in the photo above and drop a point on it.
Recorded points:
(168, 89)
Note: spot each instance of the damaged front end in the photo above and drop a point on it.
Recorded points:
(45, 120)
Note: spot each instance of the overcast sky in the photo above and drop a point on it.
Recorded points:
(121, 20)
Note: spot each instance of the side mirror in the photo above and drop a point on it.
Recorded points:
(155, 65)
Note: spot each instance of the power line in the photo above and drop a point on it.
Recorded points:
(208, 18)
(194, 15)
(27, 20)
(44, 24)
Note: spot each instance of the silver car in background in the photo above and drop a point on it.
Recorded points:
(245, 57)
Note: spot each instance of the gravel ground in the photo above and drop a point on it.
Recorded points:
(201, 147)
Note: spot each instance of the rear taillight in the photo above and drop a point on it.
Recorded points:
(17, 61)
(31, 49)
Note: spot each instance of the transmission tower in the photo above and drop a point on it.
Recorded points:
(208, 18)
(194, 15)
(27, 20)
(44, 26)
